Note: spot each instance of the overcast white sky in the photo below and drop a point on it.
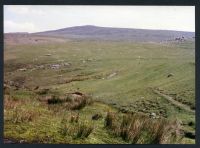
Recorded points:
(21, 18)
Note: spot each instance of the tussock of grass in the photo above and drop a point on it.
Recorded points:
(84, 130)
(10, 103)
(42, 91)
(78, 103)
(141, 129)
(110, 120)
(21, 115)
(54, 100)
(76, 79)
(74, 117)
(74, 128)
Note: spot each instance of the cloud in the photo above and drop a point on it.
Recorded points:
(25, 10)
(55, 17)
(11, 26)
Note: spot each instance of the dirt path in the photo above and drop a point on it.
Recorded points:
(169, 98)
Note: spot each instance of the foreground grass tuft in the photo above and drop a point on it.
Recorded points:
(84, 130)
(141, 129)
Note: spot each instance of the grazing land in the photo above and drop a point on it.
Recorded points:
(71, 86)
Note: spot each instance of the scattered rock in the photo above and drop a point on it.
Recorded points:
(5, 86)
(190, 135)
(112, 75)
(96, 116)
(22, 141)
(55, 66)
(47, 54)
(152, 115)
(11, 83)
(191, 123)
(36, 87)
(170, 75)
(40, 67)
(78, 93)
(181, 39)
(90, 59)
(123, 110)
(22, 69)
(67, 64)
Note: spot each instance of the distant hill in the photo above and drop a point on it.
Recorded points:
(108, 33)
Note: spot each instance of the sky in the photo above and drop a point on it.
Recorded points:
(30, 18)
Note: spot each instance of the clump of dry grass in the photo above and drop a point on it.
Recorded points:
(110, 119)
(84, 130)
(20, 115)
(74, 117)
(79, 102)
(165, 131)
(131, 127)
(141, 129)
(42, 91)
(71, 101)
(76, 79)
(10, 103)
(54, 100)
(64, 127)
(74, 128)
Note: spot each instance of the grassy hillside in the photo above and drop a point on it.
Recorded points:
(120, 76)
(117, 34)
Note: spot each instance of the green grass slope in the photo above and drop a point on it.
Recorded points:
(121, 74)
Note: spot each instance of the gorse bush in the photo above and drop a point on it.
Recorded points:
(141, 129)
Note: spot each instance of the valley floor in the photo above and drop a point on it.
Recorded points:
(47, 86)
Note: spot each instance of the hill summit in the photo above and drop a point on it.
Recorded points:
(109, 33)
